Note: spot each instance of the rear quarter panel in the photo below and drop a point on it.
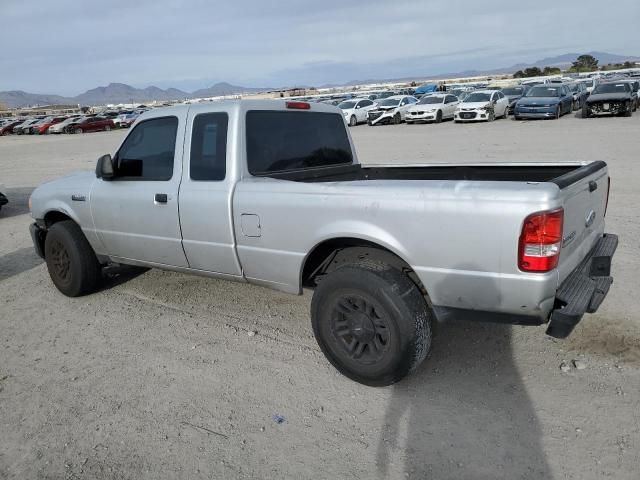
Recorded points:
(460, 237)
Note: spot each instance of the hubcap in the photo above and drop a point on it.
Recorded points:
(361, 331)
(60, 261)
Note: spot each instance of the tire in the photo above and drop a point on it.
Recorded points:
(107, 128)
(558, 113)
(369, 123)
(397, 119)
(575, 105)
(439, 116)
(516, 117)
(492, 116)
(629, 110)
(371, 322)
(78, 130)
(72, 264)
(409, 122)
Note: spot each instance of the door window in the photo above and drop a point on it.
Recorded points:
(148, 151)
(209, 147)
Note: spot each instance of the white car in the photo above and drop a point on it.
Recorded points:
(482, 105)
(356, 110)
(391, 110)
(433, 108)
(59, 127)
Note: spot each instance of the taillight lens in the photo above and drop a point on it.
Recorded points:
(299, 105)
(541, 241)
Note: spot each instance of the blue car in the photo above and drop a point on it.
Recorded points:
(551, 100)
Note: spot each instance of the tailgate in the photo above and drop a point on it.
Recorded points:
(584, 198)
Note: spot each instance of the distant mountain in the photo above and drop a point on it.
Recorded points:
(115, 93)
(224, 88)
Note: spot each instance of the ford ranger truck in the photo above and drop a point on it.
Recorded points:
(272, 193)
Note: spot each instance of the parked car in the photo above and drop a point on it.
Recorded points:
(579, 92)
(43, 126)
(391, 110)
(356, 110)
(544, 101)
(610, 98)
(482, 105)
(461, 93)
(635, 84)
(514, 94)
(7, 128)
(60, 127)
(125, 121)
(433, 108)
(3, 198)
(589, 83)
(90, 124)
(25, 127)
(286, 205)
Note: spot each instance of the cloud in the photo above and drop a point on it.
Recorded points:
(69, 46)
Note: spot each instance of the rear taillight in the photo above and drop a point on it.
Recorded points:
(299, 105)
(606, 204)
(540, 241)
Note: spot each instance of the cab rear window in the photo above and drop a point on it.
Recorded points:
(287, 140)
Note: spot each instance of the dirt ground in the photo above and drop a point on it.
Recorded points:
(156, 376)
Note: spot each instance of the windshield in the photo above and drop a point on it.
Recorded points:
(347, 105)
(611, 88)
(430, 100)
(574, 87)
(513, 91)
(389, 102)
(478, 97)
(544, 91)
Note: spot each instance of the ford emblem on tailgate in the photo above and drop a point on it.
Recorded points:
(590, 218)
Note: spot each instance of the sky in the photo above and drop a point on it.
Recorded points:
(68, 46)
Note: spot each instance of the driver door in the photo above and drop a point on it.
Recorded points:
(136, 213)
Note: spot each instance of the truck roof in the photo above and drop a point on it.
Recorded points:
(242, 105)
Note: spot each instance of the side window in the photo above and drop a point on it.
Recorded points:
(148, 151)
(404, 101)
(366, 103)
(209, 147)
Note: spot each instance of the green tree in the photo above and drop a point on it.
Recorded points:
(518, 74)
(551, 71)
(532, 72)
(585, 63)
(628, 64)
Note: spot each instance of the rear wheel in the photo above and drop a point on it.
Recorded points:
(78, 130)
(371, 322)
(72, 264)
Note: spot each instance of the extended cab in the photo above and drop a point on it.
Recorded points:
(272, 193)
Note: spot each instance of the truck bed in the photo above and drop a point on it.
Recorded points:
(562, 175)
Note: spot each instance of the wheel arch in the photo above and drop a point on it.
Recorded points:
(329, 253)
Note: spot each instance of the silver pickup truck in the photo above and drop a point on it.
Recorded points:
(271, 193)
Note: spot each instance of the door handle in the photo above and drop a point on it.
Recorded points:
(160, 198)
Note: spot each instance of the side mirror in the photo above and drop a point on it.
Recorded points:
(104, 167)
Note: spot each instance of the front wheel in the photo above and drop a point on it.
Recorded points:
(397, 119)
(72, 264)
(558, 113)
(371, 322)
(439, 116)
(492, 116)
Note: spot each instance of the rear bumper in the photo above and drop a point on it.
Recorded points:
(584, 289)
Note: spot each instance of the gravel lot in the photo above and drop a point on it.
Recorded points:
(156, 376)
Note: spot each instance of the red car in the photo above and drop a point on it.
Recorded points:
(43, 127)
(90, 124)
(8, 128)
